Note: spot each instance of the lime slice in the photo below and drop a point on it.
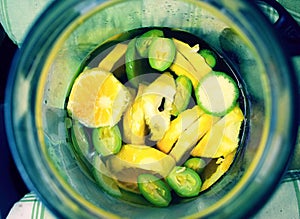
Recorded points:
(217, 93)
(161, 54)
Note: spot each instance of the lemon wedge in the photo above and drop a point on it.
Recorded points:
(157, 104)
(215, 170)
(98, 98)
(134, 124)
(189, 63)
(136, 159)
(109, 61)
(177, 126)
(222, 138)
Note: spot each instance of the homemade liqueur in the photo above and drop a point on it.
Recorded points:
(158, 116)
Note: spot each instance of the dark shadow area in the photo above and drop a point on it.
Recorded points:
(12, 187)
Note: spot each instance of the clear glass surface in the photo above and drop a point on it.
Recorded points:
(16, 17)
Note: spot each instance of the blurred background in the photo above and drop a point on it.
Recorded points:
(12, 187)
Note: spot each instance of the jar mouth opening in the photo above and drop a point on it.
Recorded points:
(63, 187)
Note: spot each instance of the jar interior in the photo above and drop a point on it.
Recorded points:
(212, 22)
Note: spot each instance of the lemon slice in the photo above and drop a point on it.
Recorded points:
(215, 170)
(134, 125)
(177, 126)
(157, 104)
(109, 62)
(189, 137)
(189, 62)
(138, 159)
(222, 138)
(98, 99)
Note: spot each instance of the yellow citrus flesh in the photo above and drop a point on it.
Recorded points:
(141, 159)
(214, 171)
(222, 138)
(109, 62)
(189, 62)
(134, 125)
(177, 126)
(98, 99)
(181, 66)
(158, 121)
(188, 138)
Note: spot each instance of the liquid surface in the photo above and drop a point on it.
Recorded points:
(160, 145)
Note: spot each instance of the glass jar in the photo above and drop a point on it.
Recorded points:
(17, 17)
(53, 51)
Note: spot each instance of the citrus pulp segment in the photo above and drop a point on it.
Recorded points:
(98, 99)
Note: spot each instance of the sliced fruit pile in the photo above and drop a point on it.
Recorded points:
(149, 137)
